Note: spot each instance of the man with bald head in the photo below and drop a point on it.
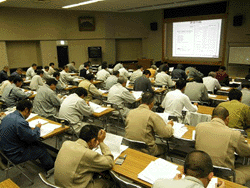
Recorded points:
(222, 142)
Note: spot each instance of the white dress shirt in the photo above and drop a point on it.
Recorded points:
(3, 85)
(136, 74)
(245, 96)
(123, 72)
(36, 82)
(30, 73)
(211, 83)
(117, 67)
(66, 77)
(174, 102)
(163, 78)
(51, 70)
(102, 75)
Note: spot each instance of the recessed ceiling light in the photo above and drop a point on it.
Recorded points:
(2, 1)
(82, 3)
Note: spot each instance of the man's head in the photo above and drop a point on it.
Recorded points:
(90, 77)
(212, 74)
(56, 75)
(234, 94)
(66, 68)
(245, 84)
(52, 65)
(222, 113)
(165, 69)
(181, 84)
(180, 66)
(154, 67)
(89, 133)
(11, 79)
(87, 65)
(34, 66)
(198, 164)
(147, 73)
(81, 92)
(139, 67)
(198, 79)
(18, 81)
(19, 71)
(46, 68)
(51, 82)
(222, 68)
(73, 63)
(24, 107)
(6, 68)
(40, 73)
(122, 80)
(104, 66)
(148, 99)
(116, 73)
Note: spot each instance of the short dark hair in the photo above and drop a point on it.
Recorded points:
(104, 66)
(88, 132)
(51, 64)
(122, 79)
(198, 164)
(80, 91)
(11, 78)
(22, 104)
(139, 66)
(245, 84)
(220, 112)
(51, 81)
(234, 94)
(146, 72)
(180, 84)
(180, 66)
(165, 68)
(46, 67)
(116, 73)
(198, 79)
(147, 98)
(38, 72)
(222, 67)
(55, 74)
(65, 66)
(34, 65)
(17, 79)
(89, 76)
(86, 64)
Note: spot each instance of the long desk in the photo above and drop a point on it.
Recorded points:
(8, 184)
(218, 97)
(136, 162)
(205, 109)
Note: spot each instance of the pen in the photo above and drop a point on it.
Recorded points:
(125, 156)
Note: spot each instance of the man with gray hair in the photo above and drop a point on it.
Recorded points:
(119, 95)
(211, 82)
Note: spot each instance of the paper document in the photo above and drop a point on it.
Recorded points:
(193, 135)
(77, 80)
(97, 108)
(33, 123)
(179, 129)
(48, 128)
(114, 144)
(212, 183)
(171, 69)
(158, 169)
(225, 88)
(210, 95)
(103, 91)
(137, 94)
(31, 116)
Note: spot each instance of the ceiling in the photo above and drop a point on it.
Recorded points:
(105, 5)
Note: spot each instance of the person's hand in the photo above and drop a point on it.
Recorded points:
(101, 135)
(171, 122)
(87, 102)
(39, 125)
(178, 177)
(196, 104)
(220, 184)
(32, 92)
(2, 114)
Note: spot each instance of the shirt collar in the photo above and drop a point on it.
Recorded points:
(190, 178)
(19, 114)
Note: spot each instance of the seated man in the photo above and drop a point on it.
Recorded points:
(239, 113)
(118, 66)
(192, 72)
(123, 72)
(6, 83)
(46, 103)
(198, 171)
(19, 142)
(37, 80)
(46, 74)
(51, 69)
(196, 90)
(84, 70)
(17, 73)
(103, 74)
(179, 72)
(152, 70)
(60, 85)
(74, 108)
(4, 74)
(13, 93)
(65, 77)
(136, 74)
(163, 79)
(143, 83)
(222, 76)
(91, 89)
(31, 72)
(142, 124)
(211, 82)
(72, 67)
(78, 166)
(176, 100)
(221, 143)
(119, 95)
(245, 92)
(112, 80)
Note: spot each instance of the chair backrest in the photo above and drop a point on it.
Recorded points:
(122, 183)
(223, 172)
(174, 118)
(182, 146)
(137, 145)
(46, 182)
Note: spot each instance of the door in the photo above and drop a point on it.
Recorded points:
(62, 55)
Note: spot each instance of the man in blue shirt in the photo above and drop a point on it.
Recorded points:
(4, 74)
(19, 142)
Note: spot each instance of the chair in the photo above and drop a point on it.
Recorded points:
(174, 118)
(46, 182)
(134, 144)
(122, 183)
(224, 172)
(10, 164)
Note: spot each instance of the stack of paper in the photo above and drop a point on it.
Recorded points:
(225, 88)
(212, 183)
(137, 94)
(48, 128)
(31, 116)
(158, 169)
(33, 123)
(114, 144)
(77, 80)
(97, 108)
(103, 91)
(179, 129)
(210, 95)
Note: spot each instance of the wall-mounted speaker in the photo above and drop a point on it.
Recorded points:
(153, 26)
(238, 20)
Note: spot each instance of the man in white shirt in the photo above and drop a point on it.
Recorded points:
(175, 100)
(65, 77)
(6, 83)
(163, 79)
(117, 67)
(31, 72)
(51, 69)
(46, 73)
(103, 74)
(119, 95)
(136, 74)
(71, 67)
(60, 85)
(37, 80)
(112, 80)
(245, 92)
(74, 108)
(211, 82)
(124, 72)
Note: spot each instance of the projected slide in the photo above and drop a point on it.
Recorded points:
(197, 38)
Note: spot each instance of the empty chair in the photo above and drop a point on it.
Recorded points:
(46, 182)
(223, 172)
(137, 145)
